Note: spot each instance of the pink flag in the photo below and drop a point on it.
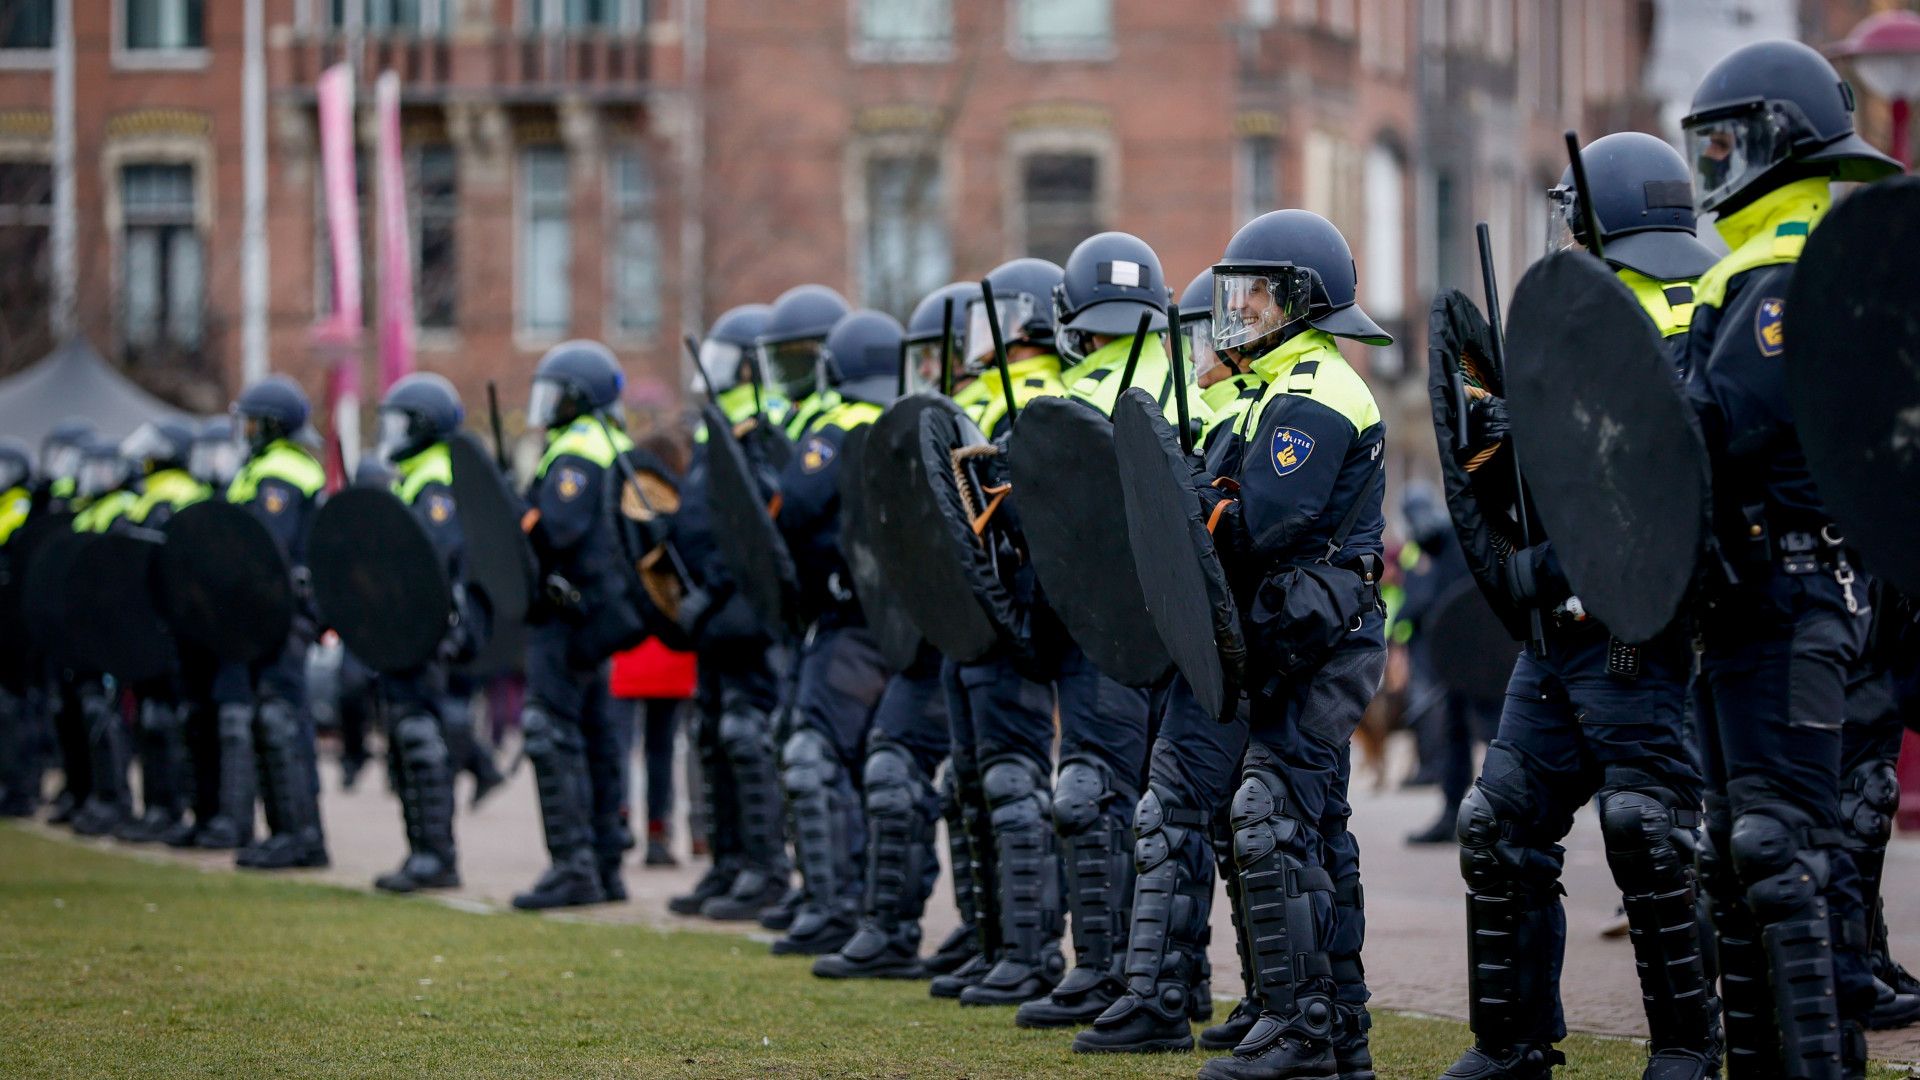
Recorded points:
(396, 240)
(337, 338)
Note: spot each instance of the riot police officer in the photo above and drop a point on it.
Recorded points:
(586, 618)
(262, 707)
(1770, 127)
(215, 456)
(1589, 714)
(924, 346)
(20, 750)
(60, 454)
(103, 492)
(417, 417)
(56, 493)
(789, 348)
(159, 452)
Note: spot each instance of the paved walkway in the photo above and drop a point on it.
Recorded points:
(1415, 951)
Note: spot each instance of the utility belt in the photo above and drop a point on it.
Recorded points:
(1570, 619)
(1807, 547)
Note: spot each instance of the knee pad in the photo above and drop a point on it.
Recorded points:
(1261, 821)
(277, 720)
(1869, 795)
(1159, 826)
(419, 738)
(543, 734)
(1492, 862)
(1637, 827)
(892, 781)
(807, 763)
(1016, 791)
(743, 732)
(1770, 857)
(1081, 794)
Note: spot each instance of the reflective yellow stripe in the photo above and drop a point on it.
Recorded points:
(1036, 376)
(1331, 381)
(1772, 231)
(434, 465)
(585, 438)
(15, 504)
(174, 487)
(1668, 303)
(849, 415)
(283, 461)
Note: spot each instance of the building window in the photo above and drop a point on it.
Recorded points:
(546, 241)
(907, 255)
(1256, 186)
(897, 29)
(415, 17)
(636, 246)
(1063, 29)
(573, 14)
(165, 25)
(26, 24)
(26, 223)
(436, 212)
(1060, 196)
(161, 274)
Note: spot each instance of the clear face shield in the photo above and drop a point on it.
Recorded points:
(395, 434)
(923, 363)
(1728, 151)
(793, 367)
(543, 403)
(214, 461)
(145, 446)
(63, 461)
(1252, 303)
(99, 475)
(1014, 313)
(1563, 210)
(721, 361)
(1196, 338)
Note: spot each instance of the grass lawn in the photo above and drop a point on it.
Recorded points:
(116, 966)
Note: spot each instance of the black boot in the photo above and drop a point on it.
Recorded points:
(1091, 822)
(426, 803)
(1293, 1038)
(287, 786)
(232, 826)
(1891, 1008)
(963, 942)
(780, 914)
(1230, 1032)
(1029, 963)
(1166, 946)
(817, 792)
(900, 805)
(976, 831)
(752, 894)
(558, 753)
(110, 806)
(1352, 1052)
(714, 883)
(162, 799)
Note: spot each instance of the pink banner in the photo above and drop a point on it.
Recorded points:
(337, 338)
(396, 240)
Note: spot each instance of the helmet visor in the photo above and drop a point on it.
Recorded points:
(1014, 313)
(923, 365)
(793, 366)
(1250, 303)
(1197, 339)
(99, 475)
(1727, 152)
(146, 444)
(543, 404)
(63, 461)
(1562, 208)
(395, 429)
(214, 461)
(721, 360)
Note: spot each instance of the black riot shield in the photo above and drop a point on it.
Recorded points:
(1471, 648)
(963, 476)
(1067, 488)
(895, 633)
(1479, 489)
(1179, 571)
(377, 579)
(114, 623)
(224, 584)
(499, 561)
(1613, 455)
(44, 596)
(1854, 374)
(910, 539)
(19, 648)
(756, 553)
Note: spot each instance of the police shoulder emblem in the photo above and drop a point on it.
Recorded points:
(274, 499)
(439, 508)
(571, 483)
(1769, 326)
(1291, 449)
(817, 455)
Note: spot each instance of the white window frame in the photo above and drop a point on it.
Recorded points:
(32, 59)
(1099, 143)
(1247, 203)
(629, 17)
(875, 52)
(129, 59)
(190, 150)
(525, 335)
(615, 215)
(858, 205)
(1023, 49)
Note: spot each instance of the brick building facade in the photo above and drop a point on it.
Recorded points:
(626, 169)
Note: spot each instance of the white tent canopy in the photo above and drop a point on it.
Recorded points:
(73, 382)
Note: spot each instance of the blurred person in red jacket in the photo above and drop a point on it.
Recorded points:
(659, 681)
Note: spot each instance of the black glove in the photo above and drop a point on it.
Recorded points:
(1486, 424)
(1534, 577)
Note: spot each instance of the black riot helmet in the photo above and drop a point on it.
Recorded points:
(158, 445)
(16, 463)
(273, 408)
(795, 333)
(1284, 271)
(576, 378)
(729, 344)
(1110, 280)
(102, 468)
(1643, 199)
(1196, 325)
(862, 356)
(419, 411)
(1768, 114)
(215, 456)
(923, 333)
(1023, 299)
(64, 446)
